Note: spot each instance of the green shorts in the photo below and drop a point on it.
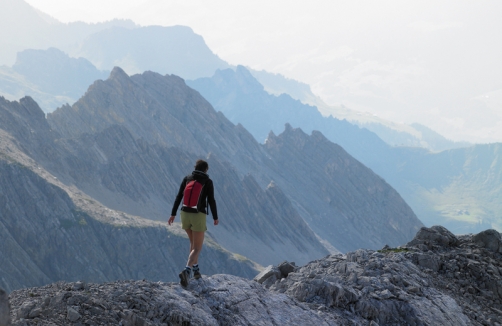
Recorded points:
(193, 221)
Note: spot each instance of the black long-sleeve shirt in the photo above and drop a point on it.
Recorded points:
(207, 195)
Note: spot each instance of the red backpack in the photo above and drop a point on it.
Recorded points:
(191, 196)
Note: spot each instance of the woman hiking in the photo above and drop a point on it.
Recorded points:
(196, 190)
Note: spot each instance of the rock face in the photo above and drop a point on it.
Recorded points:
(363, 287)
(216, 300)
(436, 279)
(343, 200)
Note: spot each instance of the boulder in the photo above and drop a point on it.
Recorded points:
(285, 268)
(436, 235)
(489, 239)
(268, 272)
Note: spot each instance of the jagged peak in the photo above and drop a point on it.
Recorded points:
(271, 137)
(118, 74)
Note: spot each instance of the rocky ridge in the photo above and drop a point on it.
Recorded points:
(129, 174)
(436, 279)
(50, 231)
(163, 111)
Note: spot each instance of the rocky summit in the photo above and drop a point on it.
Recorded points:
(436, 279)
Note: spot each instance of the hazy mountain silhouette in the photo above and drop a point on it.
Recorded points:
(166, 50)
(50, 76)
(54, 72)
(24, 27)
(394, 134)
(436, 186)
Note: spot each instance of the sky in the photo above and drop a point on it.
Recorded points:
(432, 62)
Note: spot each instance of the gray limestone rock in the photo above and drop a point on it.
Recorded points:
(285, 268)
(447, 285)
(215, 300)
(427, 261)
(489, 239)
(435, 235)
(72, 314)
(268, 272)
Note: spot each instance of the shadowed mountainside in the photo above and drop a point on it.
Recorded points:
(142, 179)
(49, 236)
(162, 110)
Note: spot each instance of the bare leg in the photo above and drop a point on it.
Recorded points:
(197, 239)
(190, 237)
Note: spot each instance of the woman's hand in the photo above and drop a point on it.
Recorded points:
(216, 222)
(171, 220)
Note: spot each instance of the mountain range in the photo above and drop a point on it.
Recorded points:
(166, 50)
(458, 187)
(125, 146)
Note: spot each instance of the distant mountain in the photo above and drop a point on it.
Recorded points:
(54, 72)
(242, 99)
(394, 134)
(461, 188)
(167, 50)
(439, 187)
(14, 86)
(50, 76)
(24, 27)
(436, 141)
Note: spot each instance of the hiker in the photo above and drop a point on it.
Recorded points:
(196, 190)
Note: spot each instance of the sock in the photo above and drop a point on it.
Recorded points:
(188, 269)
(195, 267)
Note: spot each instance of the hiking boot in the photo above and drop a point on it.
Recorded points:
(184, 277)
(196, 274)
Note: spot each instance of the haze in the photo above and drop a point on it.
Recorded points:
(433, 62)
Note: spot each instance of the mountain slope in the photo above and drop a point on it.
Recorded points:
(47, 238)
(345, 200)
(53, 232)
(132, 175)
(457, 188)
(163, 111)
